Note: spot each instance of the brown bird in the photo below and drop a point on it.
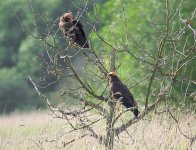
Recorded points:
(120, 91)
(73, 30)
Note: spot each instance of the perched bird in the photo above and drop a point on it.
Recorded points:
(120, 91)
(73, 30)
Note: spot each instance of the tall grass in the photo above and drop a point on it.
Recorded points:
(41, 131)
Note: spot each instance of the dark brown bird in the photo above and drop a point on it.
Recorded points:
(121, 92)
(73, 30)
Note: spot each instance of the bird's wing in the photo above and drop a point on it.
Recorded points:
(121, 88)
(80, 25)
(68, 25)
(78, 28)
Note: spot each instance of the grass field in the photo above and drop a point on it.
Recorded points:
(41, 131)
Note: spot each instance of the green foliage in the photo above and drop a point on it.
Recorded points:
(14, 92)
(20, 54)
(137, 26)
(12, 33)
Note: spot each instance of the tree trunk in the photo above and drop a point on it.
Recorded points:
(109, 143)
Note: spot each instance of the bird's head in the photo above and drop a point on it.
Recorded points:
(68, 17)
(112, 75)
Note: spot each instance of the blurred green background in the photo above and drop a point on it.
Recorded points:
(19, 51)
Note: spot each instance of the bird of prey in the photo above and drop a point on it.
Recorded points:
(73, 30)
(120, 91)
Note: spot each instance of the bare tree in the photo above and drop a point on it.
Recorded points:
(165, 65)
